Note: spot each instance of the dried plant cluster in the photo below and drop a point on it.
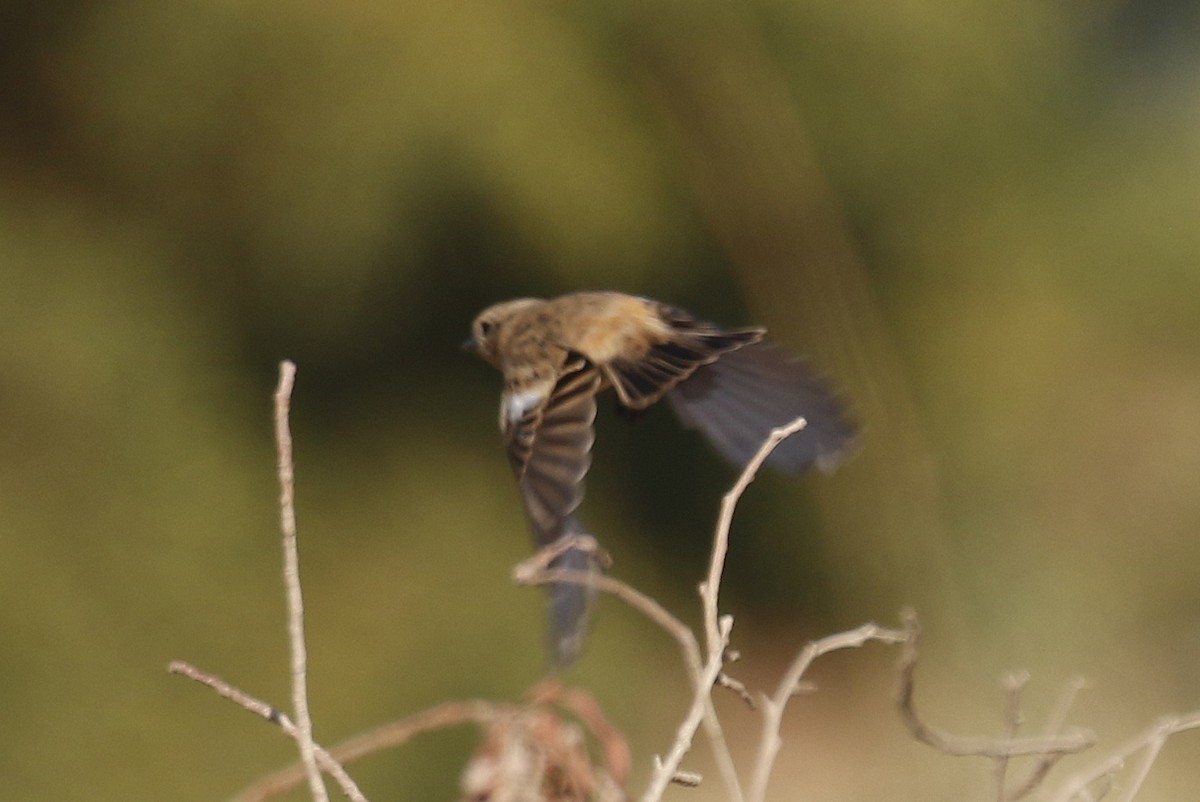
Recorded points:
(558, 746)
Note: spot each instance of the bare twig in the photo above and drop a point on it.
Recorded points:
(705, 669)
(1014, 684)
(688, 779)
(704, 676)
(396, 733)
(710, 591)
(534, 572)
(739, 688)
(1062, 708)
(711, 588)
(1072, 742)
(313, 757)
(1090, 785)
(291, 579)
(1149, 743)
(773, 706)
(1054, 726)
(232, 693)
(325, 759)
(667, 769)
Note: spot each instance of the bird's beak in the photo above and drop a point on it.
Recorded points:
(470, 344)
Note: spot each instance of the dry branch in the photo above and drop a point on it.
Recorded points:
(1074, 741)
(773, 706)
(395, 733)
(291, 581)
(668, 768)
(323, 758)
(557, 749)
(1149, 742)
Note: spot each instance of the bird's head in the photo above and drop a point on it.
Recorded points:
(485, 329)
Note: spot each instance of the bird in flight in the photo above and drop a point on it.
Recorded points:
(556, 355)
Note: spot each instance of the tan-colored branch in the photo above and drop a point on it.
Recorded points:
(291, 580)
(533, 571)
(272, 714)
(773, 706)
(710, 590)
(1054, 726)
(705, 674)
(396, 733)
(1148, 743)
(1014, 685)
(1073, 741)
(668, 768)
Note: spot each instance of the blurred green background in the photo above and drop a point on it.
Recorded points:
(980, 218)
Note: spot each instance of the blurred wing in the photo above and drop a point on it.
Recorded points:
(549, 447)
(738, 399)
(639, 383)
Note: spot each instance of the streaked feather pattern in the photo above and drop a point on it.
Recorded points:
(642, 381)
(550, 450)
(557, 355)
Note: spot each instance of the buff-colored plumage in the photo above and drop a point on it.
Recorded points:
(557, 355)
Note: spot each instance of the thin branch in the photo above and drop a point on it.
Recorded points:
(291, 579)
(1057, 719)
(739, 688)
(1014, 684)
(1149, 742)
(327, 761)
(1072, 742)
(667, 769)
(774, 706)
(533, 572)
(710, 591)
(717, 635)
(233, 694)
(688, 779)
(396, 733)
(711, 588)
(1054, 726)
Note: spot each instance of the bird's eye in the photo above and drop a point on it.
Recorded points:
(485, 328)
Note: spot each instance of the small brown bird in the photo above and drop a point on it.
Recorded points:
(557, 354)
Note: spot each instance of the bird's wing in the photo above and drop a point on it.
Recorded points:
(738, 399)
(548, 436)
(549, 445)
(690, 344)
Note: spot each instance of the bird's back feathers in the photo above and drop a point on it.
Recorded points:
(644, 379)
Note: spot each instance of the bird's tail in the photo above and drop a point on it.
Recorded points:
(738, 399)
(570, 604)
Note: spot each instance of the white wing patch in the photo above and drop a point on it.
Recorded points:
(517, 404)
